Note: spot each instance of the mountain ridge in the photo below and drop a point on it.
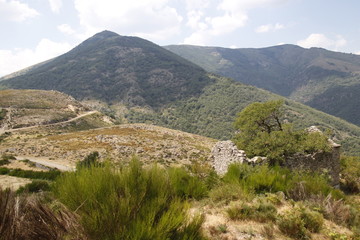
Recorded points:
(310, 76)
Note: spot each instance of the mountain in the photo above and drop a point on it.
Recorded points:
(137, 81)
(328, 81)
(114, 68)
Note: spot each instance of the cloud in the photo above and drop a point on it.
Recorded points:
(320, 40)
(16, 11)
(269, 28)
(227, 16)
(129, 17)
(65, 28)
(14, 60)
(55, 5)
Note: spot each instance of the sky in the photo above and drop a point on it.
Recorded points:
(33, 31)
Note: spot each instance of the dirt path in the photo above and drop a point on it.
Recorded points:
(48, 163)
(51, 124)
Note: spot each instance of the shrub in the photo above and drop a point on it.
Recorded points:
(299, 222)
(227, 192)
(350, 174)
(185, 185)
(48, 175)
(35, 186)
(258, 211)
(4, 171)
(90, 160)
(131, 203)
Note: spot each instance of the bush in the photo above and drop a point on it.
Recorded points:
(258, 211)
(90, 160)
(185, 185)
(227, 192)
(4, 162)
(4, 171)
(350, 174)
(299, 222)
(131, 203)
(35, 186)
(49, 175)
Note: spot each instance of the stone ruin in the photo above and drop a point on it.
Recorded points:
(225, 153)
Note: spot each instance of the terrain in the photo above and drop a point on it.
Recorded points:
(326, 80)
(125, 177)
(134, 80)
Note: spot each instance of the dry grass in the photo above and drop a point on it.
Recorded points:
(28, 218)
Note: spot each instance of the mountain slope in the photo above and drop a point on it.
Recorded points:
(325, 80)
(27, 109)
(138, 81)
(114, 68)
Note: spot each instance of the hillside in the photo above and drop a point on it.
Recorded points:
(114, 68)
(212, 113)
(118, 143)
(137, 81)
(328, 81)
(25, 109)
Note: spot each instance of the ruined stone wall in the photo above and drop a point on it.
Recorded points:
(328, 162)
(225, 153)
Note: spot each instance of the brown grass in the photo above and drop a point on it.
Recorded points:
(28, 218)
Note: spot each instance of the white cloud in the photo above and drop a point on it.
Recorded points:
(55, 5)
(65, 28)
(269, 28)
(320, 40)
(14, 60)
(16, 11)
(229, 16)
(129, 17)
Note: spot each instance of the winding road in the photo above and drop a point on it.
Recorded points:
(47, 163)
(51, 124)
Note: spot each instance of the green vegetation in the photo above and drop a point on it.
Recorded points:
(35, 186)
(263, 133)
(299, 222)
(49, 175)
(350, 174)
(131, 203)
(261, 211)
(325, 80)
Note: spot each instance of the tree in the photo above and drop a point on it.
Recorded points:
(262, 132)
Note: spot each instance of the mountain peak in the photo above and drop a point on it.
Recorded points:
(105, 34)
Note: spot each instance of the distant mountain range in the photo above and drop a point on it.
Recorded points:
(138, 81)
(326, 80)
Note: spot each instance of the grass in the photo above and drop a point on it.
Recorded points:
(258, 211)
(30, 218)
(132, 203)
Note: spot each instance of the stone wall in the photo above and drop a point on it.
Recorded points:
(225, 153)
(328, 162)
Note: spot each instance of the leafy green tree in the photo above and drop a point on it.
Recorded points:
(262, 131)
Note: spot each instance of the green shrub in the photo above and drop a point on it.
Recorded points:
(350, 174)
(227, 192)
(49, 175)
(299, 222)
(90, 160)
(35, 186)
(129, 203)
(258, 211)
(185, 185)
(4, 171)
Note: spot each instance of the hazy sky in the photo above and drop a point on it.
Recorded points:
(36, 30)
